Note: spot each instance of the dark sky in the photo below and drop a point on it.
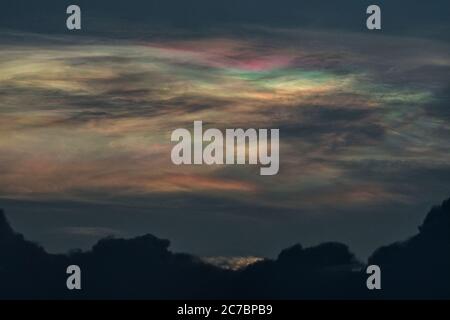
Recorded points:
(412, 18)
(86, 117)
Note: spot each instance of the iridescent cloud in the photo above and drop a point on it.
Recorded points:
(96, 118)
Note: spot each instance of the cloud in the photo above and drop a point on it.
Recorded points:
(88, 118)
(76, 108)
(90, 231)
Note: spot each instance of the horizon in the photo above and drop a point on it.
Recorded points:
(224, 262)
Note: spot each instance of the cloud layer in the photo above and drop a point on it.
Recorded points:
(363, 119)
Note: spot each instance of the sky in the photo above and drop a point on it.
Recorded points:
(86, 118)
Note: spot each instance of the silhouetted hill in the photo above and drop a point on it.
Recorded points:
(145, 268)
(327, 271)
(419, 267)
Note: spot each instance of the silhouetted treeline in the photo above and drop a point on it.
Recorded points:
(144, 268)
